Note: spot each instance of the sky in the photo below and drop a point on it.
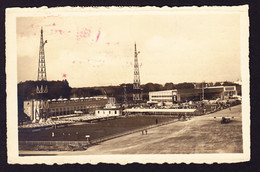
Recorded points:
(98, 50)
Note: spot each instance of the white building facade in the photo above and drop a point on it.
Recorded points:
(108, 112)
(163, 96)
(32, 108)
(111, 109)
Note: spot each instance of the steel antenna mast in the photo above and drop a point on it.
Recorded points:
(42, 89)
(137, 95)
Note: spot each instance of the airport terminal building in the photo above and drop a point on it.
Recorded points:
(182, 95)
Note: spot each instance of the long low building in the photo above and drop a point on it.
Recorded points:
(182, 95)
(160, 111)
(69, 107)
(64, 107)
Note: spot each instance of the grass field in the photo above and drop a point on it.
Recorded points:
(95, 130)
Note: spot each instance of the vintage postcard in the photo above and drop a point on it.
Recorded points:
(127, 84)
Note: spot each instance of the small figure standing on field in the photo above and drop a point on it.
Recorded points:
(179, 117)
(146, 132)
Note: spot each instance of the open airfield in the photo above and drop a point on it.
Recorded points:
(202, 134)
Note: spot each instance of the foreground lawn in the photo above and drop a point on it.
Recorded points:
(95, 130)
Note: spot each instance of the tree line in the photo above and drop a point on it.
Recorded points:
(61, 89)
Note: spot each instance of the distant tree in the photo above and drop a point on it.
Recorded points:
(217, 84)
(110, 90)
(169, 86)
(184, 85)
(56, 89)
(228, 83)
(152, 87)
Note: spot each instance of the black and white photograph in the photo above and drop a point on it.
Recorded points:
(128, 84)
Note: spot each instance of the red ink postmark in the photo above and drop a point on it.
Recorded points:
(60, 31)
(64, 75)
(98, 35)
(83, 33)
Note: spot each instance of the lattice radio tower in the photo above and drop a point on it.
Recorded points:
(42, 89)
(137, 93)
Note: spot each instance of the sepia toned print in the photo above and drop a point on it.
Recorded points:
(128, 85)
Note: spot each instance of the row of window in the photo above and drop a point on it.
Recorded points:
(72, 108)
(77, 100)
(230, 88)
(161, 100)
(108, 112)
(229, 93)
(163, 96)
